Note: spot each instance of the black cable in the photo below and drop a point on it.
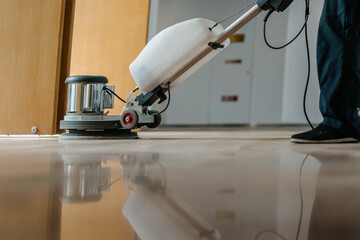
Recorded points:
(308, 76)
(105, 186)
(304, 27)
(301, 208)
(112, 92)
(301, 197)
(291, 41)
(269, 231)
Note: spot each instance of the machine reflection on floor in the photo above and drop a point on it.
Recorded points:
(85, 180)
(241, 184)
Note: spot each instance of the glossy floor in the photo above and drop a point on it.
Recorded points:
(234, 184)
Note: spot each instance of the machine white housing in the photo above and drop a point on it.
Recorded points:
(172, 49)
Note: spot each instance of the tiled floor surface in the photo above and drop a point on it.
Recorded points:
(232, 184)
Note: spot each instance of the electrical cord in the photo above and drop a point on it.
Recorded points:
(169, 99)
(105, 186)
(269, 231)
(301, 208)
(308, 77)
(304, 27)
(291, 41)
(301, 197)
(167, 106)
(113, 93)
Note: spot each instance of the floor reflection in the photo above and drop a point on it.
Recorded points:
(93, 196)
(198, 189)
(154, 211)
(336, 208)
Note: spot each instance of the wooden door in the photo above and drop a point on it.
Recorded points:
(38, 42)
(107, 36)
(30, 47)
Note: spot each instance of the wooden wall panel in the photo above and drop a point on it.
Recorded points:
(107, 37)
(30, 46)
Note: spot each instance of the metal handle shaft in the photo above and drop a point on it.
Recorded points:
(229, 31)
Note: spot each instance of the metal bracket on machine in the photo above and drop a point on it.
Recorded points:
(150, 98)
(215, 45)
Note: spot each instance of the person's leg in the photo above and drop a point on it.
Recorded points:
(352, 64)
(338, 55)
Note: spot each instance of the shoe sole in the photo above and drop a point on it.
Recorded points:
(341, 140)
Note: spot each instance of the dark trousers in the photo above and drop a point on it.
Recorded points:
(338, 55)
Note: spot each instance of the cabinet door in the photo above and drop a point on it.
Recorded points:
(30, 46)
(107, 36)
(231, 81)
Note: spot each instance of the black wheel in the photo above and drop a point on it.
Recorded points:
(129, 119)
(157, 119)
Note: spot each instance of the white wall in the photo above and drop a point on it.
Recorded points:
(296, 67)
(270, 87)
(268, 71)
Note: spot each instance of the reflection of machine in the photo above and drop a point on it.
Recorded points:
(135, 170)
(84, 178)
(168, 59)
(154, 211)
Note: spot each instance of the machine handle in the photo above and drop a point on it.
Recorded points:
(229, 31)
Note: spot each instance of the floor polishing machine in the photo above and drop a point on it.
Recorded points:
(168, 59)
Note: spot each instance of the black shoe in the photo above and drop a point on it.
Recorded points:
(322, 134)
